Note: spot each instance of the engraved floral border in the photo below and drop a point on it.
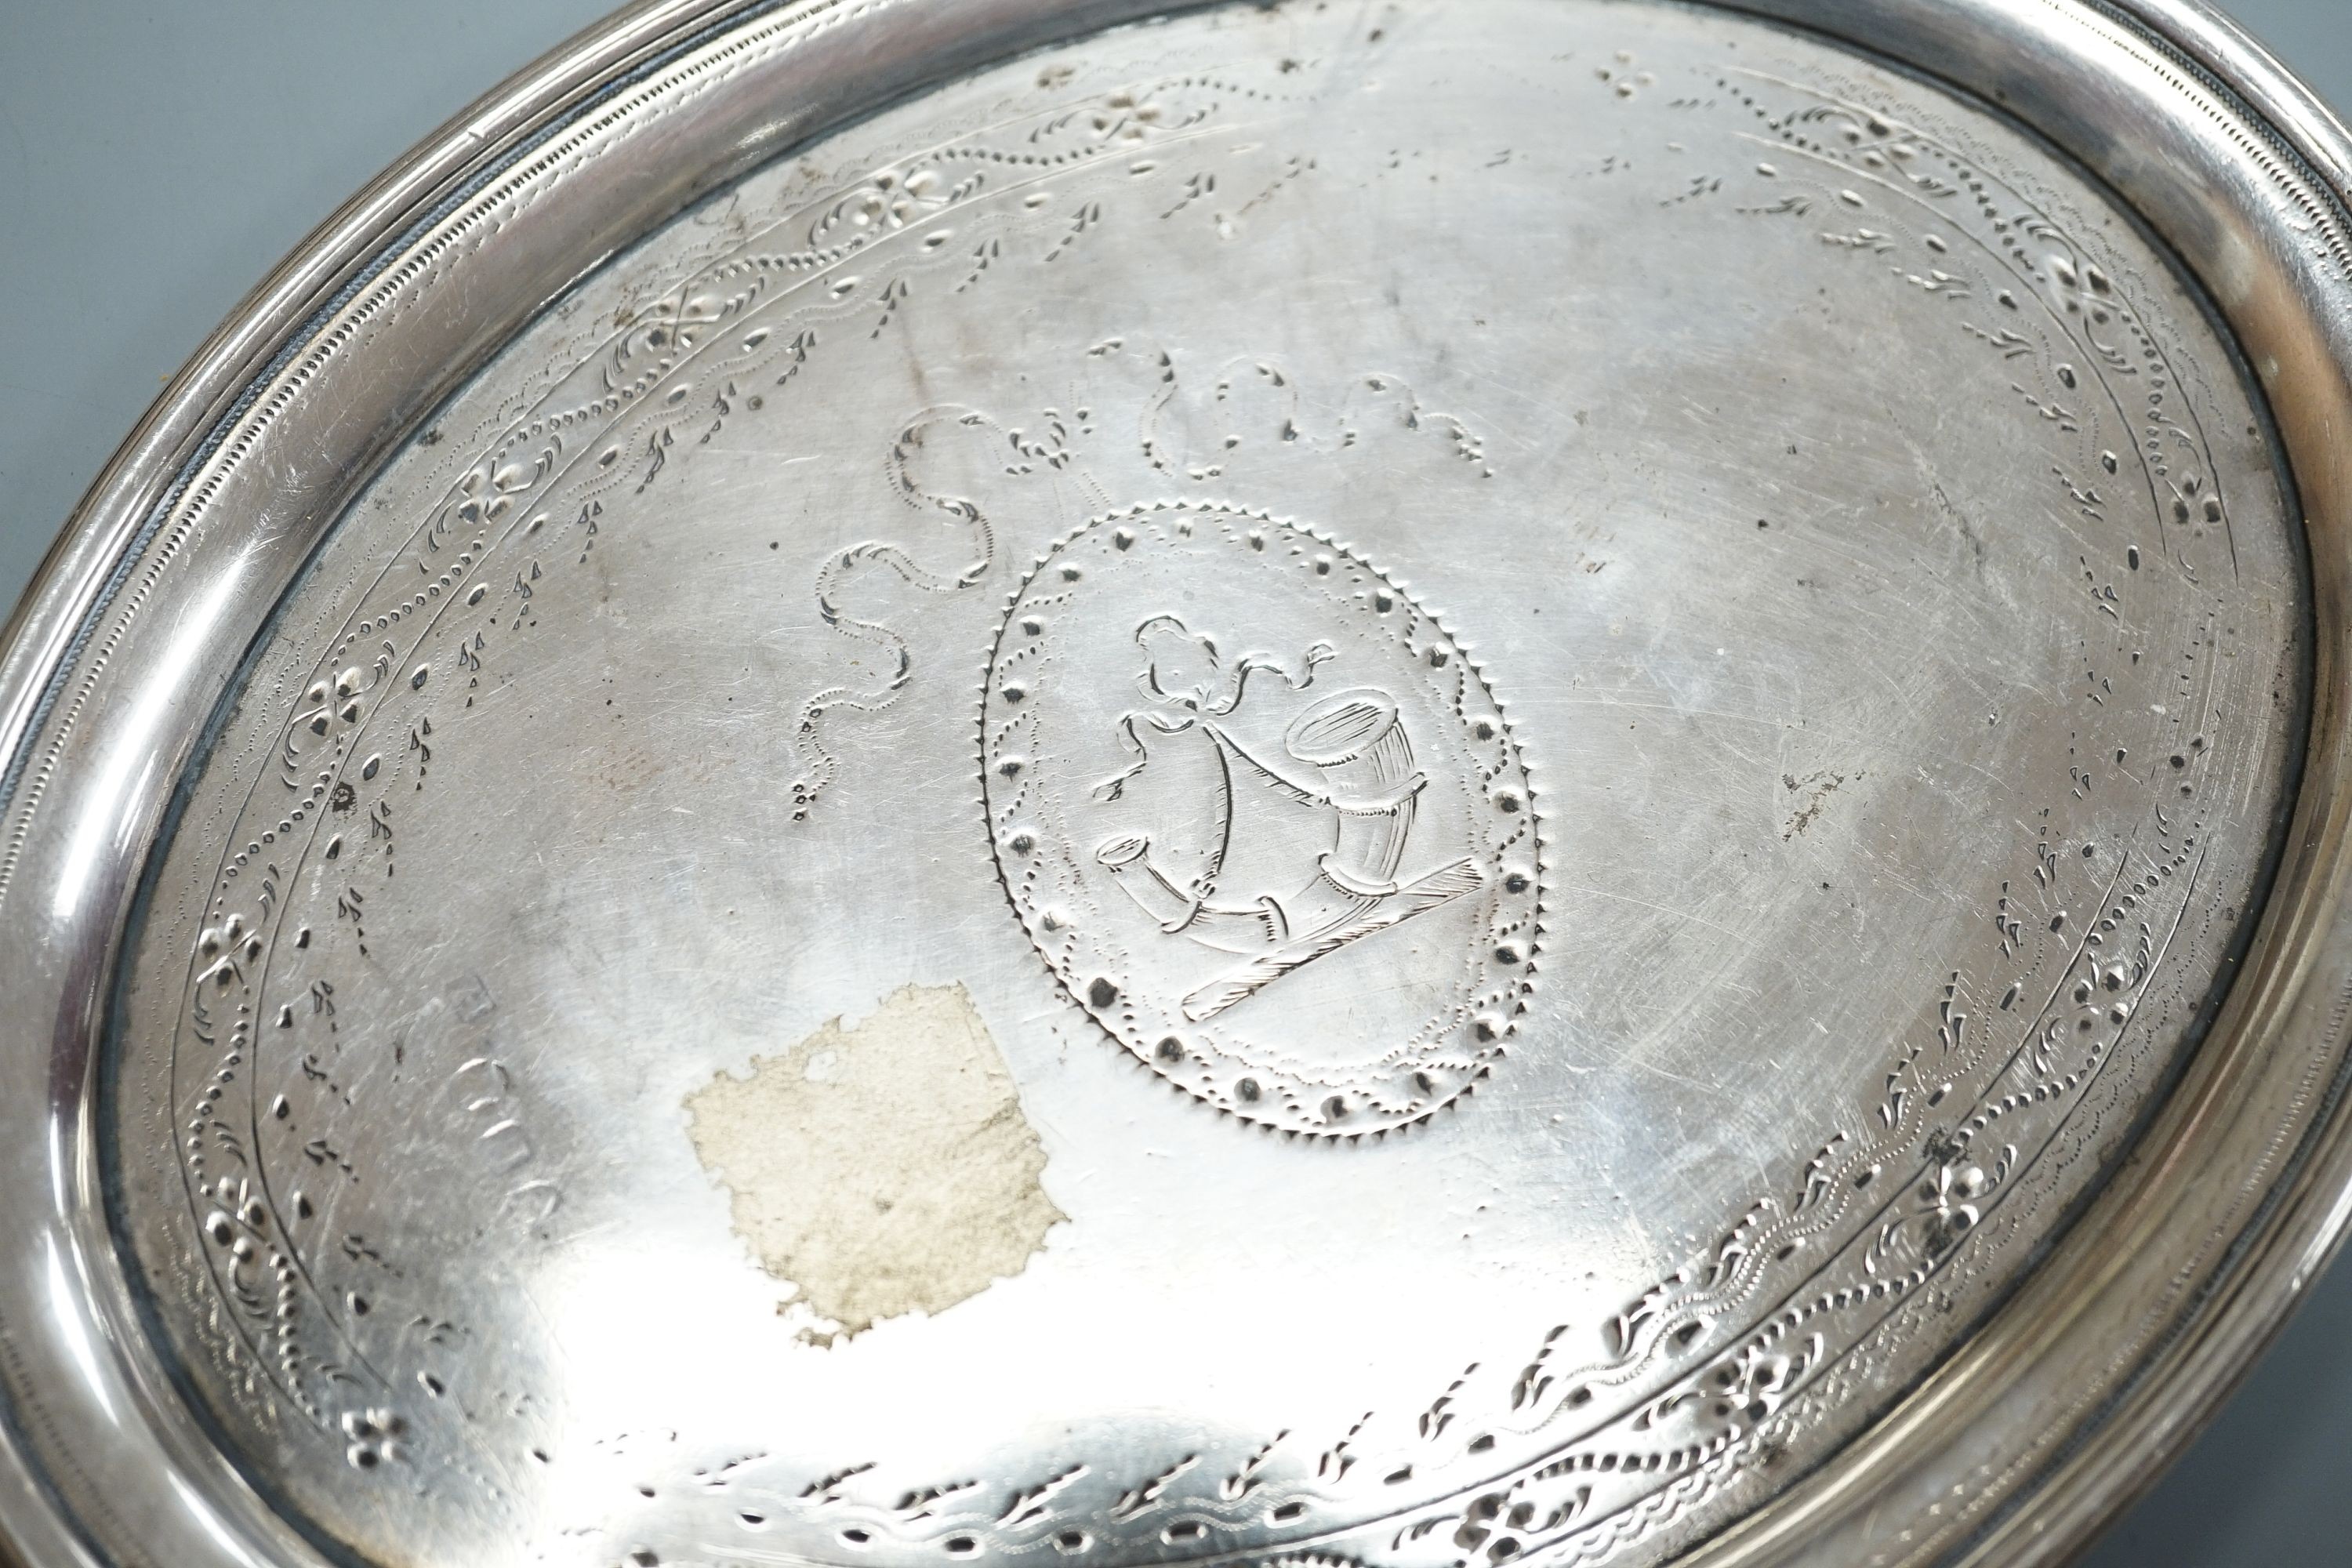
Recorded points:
(1597, 1496)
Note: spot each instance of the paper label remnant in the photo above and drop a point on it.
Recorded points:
(881, 1168)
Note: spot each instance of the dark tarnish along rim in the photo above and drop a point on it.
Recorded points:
(2097, 1371)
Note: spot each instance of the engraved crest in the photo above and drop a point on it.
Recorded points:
(1262, 817)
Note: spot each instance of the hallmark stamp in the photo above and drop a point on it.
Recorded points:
(1262, 817)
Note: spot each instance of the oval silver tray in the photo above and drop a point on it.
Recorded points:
(1071, 782)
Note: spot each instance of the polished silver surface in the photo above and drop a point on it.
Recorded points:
(1892, 812)
(1395, 784)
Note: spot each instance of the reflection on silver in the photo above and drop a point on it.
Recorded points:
(1396, 786)
(1234, 584)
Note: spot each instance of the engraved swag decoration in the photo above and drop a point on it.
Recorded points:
(1258, 812)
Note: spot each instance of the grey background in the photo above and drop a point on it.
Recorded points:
(157, 159)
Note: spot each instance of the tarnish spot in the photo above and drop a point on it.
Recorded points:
(1817, 788)
(882, 1169)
